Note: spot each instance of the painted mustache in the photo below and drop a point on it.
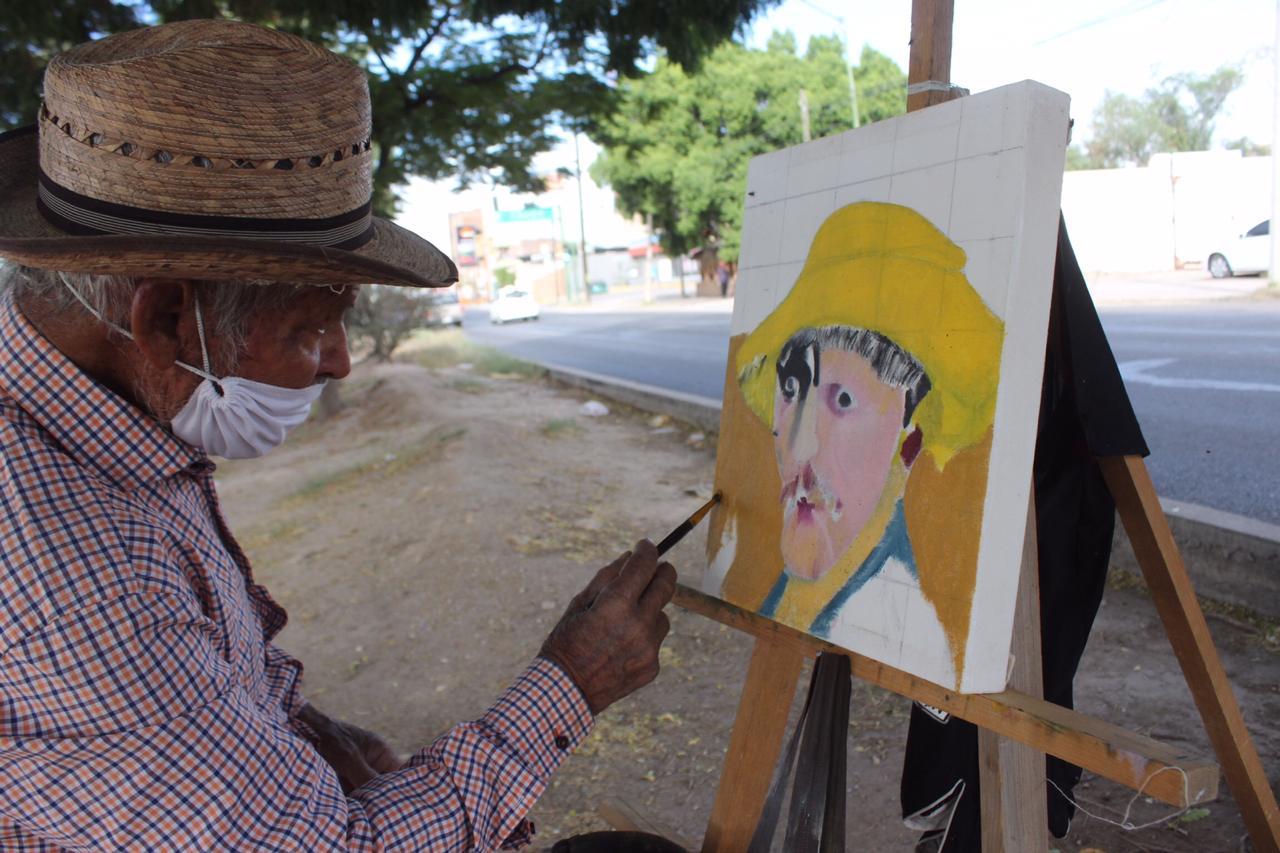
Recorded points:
(806, 493)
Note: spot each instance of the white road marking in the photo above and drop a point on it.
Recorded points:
(1138, 371)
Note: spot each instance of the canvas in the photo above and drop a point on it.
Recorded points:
(883, 384)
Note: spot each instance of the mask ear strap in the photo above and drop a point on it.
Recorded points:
(204, 354)
(94, 311)
(204, 351)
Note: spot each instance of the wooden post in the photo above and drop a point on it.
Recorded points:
(930, 50)
(1011, 774)
(1184, 623)
(754, 746)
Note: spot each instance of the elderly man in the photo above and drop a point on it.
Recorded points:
(184, 231)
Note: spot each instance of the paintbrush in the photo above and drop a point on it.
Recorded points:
(688, 524)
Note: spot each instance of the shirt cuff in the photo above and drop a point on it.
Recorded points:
(543, 717)
(521, 836)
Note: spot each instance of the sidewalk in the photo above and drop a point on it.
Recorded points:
(1108, 289)
(1178, 286)
(663, 297)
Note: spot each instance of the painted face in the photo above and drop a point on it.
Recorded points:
(835, 444)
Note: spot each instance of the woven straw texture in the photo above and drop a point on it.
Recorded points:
(208, 118)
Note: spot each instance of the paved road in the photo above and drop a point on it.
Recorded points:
(1204, 380)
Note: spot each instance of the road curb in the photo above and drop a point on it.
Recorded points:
(702, 412)
(1230, 558)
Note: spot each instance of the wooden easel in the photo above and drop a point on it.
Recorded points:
(1017, 727)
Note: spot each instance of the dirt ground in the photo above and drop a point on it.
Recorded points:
(426, 538)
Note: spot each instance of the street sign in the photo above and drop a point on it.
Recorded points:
(527, 214)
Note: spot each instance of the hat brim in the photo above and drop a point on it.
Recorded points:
(394, 255)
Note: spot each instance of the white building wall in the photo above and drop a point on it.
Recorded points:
(1167, 215)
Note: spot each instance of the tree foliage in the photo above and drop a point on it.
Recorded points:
(678, 143)
(460, 87)
(1179, 114)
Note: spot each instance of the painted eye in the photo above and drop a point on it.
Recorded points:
(841, 400)
(790, 387)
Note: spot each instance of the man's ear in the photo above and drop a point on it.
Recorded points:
(161, 307)
(911, 446)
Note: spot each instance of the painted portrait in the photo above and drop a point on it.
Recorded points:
(882, 361)
(882, 387)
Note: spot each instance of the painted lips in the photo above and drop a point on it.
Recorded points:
(806, 496)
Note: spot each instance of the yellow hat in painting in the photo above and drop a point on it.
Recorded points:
(886, 268)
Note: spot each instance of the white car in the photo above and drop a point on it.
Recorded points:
(512, 304)
(1249, 253)
(443, 308)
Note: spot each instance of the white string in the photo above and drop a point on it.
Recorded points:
(94, 311)
(1124, 819)
(204, 351)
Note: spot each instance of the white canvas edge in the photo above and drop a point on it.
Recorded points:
(1014, 440)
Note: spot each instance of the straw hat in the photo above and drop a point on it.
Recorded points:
(204, 149)
(886, 268)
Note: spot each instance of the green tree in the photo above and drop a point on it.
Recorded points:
(881, 84)
(464, 88)
(678, 144)
(1179, 114)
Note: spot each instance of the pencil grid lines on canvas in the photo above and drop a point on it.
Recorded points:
(952, 179)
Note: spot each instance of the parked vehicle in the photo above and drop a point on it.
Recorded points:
(443, 309)
(512, 304)
(1247, 254)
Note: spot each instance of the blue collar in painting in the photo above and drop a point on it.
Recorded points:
(894, 543)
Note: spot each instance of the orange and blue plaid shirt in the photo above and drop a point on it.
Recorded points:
(142, 702)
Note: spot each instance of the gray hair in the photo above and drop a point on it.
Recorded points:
(800, 359)
(230, 303)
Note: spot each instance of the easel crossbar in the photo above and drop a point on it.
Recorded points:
(1098, 746)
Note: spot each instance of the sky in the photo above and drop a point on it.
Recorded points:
(1083, 48)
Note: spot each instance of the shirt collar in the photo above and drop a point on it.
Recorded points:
(97, 428)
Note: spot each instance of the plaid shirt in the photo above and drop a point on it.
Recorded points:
(142, 703)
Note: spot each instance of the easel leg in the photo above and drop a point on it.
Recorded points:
(754, 746)
(1175, 600)
(1011, 775)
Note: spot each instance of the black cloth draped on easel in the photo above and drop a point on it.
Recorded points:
(1084, 413)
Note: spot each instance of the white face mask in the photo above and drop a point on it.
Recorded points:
(233, 417)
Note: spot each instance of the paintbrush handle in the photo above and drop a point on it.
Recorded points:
(685, 526)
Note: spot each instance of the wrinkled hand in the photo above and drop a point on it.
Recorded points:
(608, 639)
(356, 755)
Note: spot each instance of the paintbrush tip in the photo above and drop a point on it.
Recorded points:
(715, 499)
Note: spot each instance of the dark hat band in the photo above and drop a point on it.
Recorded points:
(82, 215)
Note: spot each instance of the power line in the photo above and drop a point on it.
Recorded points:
(821, 11)
(1102, 20)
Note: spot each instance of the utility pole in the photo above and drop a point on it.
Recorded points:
(848, 57)
(582, 221)
(848, 70)
(648, 258)
(1273, 275)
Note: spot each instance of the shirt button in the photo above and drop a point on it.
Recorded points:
(562, 742)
